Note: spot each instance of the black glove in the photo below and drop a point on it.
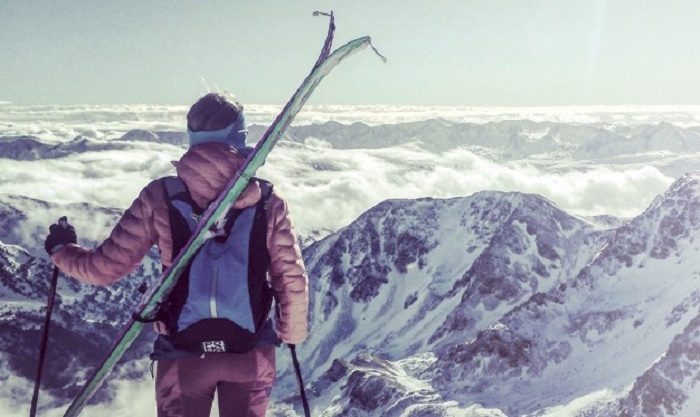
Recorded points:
(60, 234)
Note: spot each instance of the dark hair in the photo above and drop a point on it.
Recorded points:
(213, 112)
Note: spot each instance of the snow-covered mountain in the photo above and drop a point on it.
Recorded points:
(503, 140)
(524, 308)
(492, 303)
(30, 148)
(86, 319)
(448, 266)
(508, 140)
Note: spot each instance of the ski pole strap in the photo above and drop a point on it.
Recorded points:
(300, 381)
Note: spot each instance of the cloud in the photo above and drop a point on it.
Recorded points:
(329, 188)
(360, 179)
(65, 122)
(106, 178)
(15, 394)
(133, 398)
(317, 143)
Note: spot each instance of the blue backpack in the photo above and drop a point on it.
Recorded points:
(222, 300)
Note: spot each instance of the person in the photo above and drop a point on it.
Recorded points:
(186, 379)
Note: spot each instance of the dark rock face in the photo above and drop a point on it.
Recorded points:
(537, 296)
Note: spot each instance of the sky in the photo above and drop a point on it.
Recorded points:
(446, 52)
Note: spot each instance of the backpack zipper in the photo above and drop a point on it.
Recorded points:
(212, 293)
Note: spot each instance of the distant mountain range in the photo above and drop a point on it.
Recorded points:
(493, 304)
(504, 140)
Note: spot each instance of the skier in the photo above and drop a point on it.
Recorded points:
(187, 378)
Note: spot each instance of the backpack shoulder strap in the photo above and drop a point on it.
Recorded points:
(176, 189)
(182, 211)
(260, 207)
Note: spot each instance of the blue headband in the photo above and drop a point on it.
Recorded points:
(234, 135)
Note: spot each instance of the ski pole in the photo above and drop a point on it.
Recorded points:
(44, 340)
(297, 370)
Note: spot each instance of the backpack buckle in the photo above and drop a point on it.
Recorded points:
(214, 346)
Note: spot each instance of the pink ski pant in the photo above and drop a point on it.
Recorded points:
(185, 387)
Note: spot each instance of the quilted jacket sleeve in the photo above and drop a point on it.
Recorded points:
(287, 273)
(122, 252)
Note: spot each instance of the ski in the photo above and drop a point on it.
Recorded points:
(214, 217)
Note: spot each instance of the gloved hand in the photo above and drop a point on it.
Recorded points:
(60, 234)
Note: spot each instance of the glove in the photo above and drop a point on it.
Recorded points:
(60, 234)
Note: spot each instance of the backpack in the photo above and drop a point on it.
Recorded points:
(222, 299)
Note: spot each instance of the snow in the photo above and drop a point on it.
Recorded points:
(595, 403)
(514, 266)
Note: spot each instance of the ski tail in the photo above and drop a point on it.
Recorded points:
(328, 44)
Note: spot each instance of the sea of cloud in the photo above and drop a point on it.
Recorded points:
(328, 188)
(44, 119)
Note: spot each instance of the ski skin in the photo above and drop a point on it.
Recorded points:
(216, 213)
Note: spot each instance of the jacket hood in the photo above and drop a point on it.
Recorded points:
(207, 168)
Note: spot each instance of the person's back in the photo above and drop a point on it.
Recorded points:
(188, 374)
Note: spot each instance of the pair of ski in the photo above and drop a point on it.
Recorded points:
(214, 217)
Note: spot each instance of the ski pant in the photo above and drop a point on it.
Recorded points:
(243, 381)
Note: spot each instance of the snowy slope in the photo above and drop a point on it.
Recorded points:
(499, 303)
(604, 307)
(86, 318)
(444, 266)
(488, 305)
(669, 387)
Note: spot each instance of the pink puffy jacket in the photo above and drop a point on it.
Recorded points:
(205, 169)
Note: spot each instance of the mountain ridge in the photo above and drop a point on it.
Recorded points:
(469, 305)
(503, 140)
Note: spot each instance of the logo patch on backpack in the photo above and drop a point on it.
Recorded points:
(216, 346)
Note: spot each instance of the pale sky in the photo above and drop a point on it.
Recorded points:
(442, 52)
